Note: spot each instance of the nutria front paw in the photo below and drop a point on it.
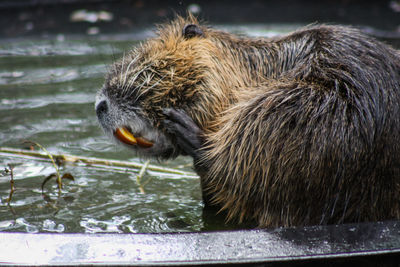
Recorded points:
(188, 135)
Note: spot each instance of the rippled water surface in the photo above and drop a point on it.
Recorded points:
(47, 92)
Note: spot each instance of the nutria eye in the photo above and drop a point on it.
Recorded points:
(192, 30)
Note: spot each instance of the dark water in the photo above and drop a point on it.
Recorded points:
(47, 92)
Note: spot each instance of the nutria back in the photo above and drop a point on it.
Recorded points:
(296, 130)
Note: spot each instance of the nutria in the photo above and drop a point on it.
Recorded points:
(299, 129)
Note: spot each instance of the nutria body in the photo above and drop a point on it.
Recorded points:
(296, 130)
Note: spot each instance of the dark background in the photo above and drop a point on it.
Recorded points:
(40, 17)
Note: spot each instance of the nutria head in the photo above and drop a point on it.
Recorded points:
(183, 67)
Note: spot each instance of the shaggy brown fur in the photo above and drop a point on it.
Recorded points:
(301, 129)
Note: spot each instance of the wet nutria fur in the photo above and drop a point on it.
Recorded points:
(296, 130)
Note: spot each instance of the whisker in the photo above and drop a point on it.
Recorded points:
(138, 89)
(156, 83)
(131, 81)
(145, 91)
(127, 69)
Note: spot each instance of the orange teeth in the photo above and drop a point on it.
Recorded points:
(126, 137)
(143, 142)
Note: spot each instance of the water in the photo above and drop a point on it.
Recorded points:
(47, 92)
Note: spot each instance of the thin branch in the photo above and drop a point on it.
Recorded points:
(140, 176)
(92, 161)
(59, 182)
(12, 188)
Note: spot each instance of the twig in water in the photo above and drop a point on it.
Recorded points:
(65, 176)
(59, 179)
(140, 176)
(12, 188)
(95, 161)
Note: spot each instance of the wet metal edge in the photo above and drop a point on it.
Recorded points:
(242, 246)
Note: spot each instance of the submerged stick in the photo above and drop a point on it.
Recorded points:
(59, 182)
(12, 187)
(93, 161)
(140, 176)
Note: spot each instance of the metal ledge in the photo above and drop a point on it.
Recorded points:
(282, 245)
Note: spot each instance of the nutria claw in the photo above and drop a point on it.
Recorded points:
(185, 130)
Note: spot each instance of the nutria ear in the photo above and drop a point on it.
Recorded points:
(192, 30)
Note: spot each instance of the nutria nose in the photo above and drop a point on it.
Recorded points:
(101, 108)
